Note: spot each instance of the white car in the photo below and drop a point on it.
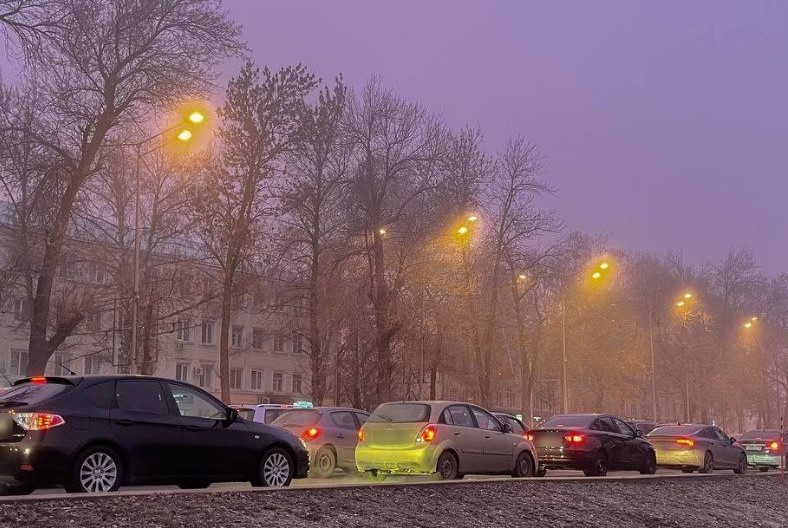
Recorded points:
(262, 413)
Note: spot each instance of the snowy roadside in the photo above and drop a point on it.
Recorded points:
(720, 501)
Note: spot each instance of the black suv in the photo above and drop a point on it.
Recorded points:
(96, 433)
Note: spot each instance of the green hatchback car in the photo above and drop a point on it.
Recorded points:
(765, 448)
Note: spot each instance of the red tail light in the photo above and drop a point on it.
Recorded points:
(574, 438)
(685, 441)
(427, 433)
(310, 434)
(38, 421)
(529, 437)
(38, 379)
(774, 446)
(361, 435)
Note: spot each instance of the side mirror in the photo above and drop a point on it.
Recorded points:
(507, 428)
(638, 433)
(733, 440)
(232, 415)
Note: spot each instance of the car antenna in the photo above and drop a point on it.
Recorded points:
(68, 369)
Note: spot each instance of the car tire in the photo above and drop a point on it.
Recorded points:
(708, 463)
(194, 484)
(97, 469)
(523, 466)
(447, 468)
(541, 472)
(741, 468)
(649, 464)
(276, 469)
(325, 462)
(375, 475)
(597, 466)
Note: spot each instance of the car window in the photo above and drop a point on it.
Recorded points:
(141, 396)
(567, 420)
(362, 417)
(33, 393)
(401, 413)
(706, 432)
(461, 416)
(298, 418)
(101, 394)
(607, 425)
(343, 420)
(194, 404)
(269, 415)
(446, 417)
(720, 435)
(517, 427)
(486, 420)
(623, 428)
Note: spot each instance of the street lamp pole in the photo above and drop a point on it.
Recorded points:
(136, 280)
(565, 394)
(653, 364)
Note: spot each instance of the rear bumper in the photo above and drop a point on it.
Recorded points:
(679, 458)
(28, 461)
(559, 458)
(764, 459)
(409, 461)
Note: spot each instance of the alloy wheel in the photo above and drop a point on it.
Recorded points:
(276, 470)
(98, 473)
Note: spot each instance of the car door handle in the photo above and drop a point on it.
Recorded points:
(124, 421)
(487, 436)
(192, 427)
(456, 433)
(340, 436)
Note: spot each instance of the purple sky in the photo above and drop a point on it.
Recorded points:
(664, 124)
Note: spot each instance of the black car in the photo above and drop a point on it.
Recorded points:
(593, 443)
(644, 426)
(96, 433)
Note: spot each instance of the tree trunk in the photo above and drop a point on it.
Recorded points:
(224, 337)
(382, 323)
(316, 359)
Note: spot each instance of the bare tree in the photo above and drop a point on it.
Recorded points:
(107, 65)
(232, 196)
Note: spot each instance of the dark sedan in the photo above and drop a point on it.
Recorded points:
(96, 433)
(592, 443)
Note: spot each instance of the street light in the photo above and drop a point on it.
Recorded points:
(462, 230)
(195, 117)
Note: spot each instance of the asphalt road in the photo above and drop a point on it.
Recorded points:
(341, 480)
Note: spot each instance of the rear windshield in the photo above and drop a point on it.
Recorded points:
(760, 435)
(31, 393)
(671, 430)
(401, 413)
(270, 415)
(297, 418)
(567, 421)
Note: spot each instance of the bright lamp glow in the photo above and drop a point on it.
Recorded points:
(196, 117)
(596, 275)
(604, 266)
(185, 135)
(462, 230)
(473, 218)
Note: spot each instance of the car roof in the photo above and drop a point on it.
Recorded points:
(328, 408)
(100, 377)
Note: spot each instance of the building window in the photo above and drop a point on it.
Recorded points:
(207, 332)
(297, 383)
(96, 273)
(257, 380)
(279, 343)
(257, 338)
(182, 371)
(237, 336)
(298, 344)
(182, 330)
(92, 365)
(279, 382)
(93, 322)
(19, 360)
(22, 309)
(205, 376)
(60, 361)
(236, 378)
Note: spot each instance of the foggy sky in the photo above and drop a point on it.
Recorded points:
(664, 124)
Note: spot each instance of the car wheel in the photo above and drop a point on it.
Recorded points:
(325, 462)
(447, 467)
(597, 467)
(741, 468)
(649, 465)
(524, 466)
(375, 475)
(276, 468)
(96, 470)
(708, 463)
(764, 469)
(194, 484)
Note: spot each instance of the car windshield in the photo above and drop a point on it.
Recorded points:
(401, 413)
(297, 418)
(760, 435)
(31, 393)
(672, 430)
(567, 421)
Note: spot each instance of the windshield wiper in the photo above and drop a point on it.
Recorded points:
(11, 403)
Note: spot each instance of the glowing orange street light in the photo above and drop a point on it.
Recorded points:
(522, 276)
(680, 304)
(196, 117)
(596, 275)
(748, 324)
(688, 296)
(462, 230)
(473, 218)
(185, 135)
(604, 266)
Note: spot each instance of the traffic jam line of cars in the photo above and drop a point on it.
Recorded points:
(97, 433)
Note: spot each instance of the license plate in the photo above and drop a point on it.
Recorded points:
(751, 447)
